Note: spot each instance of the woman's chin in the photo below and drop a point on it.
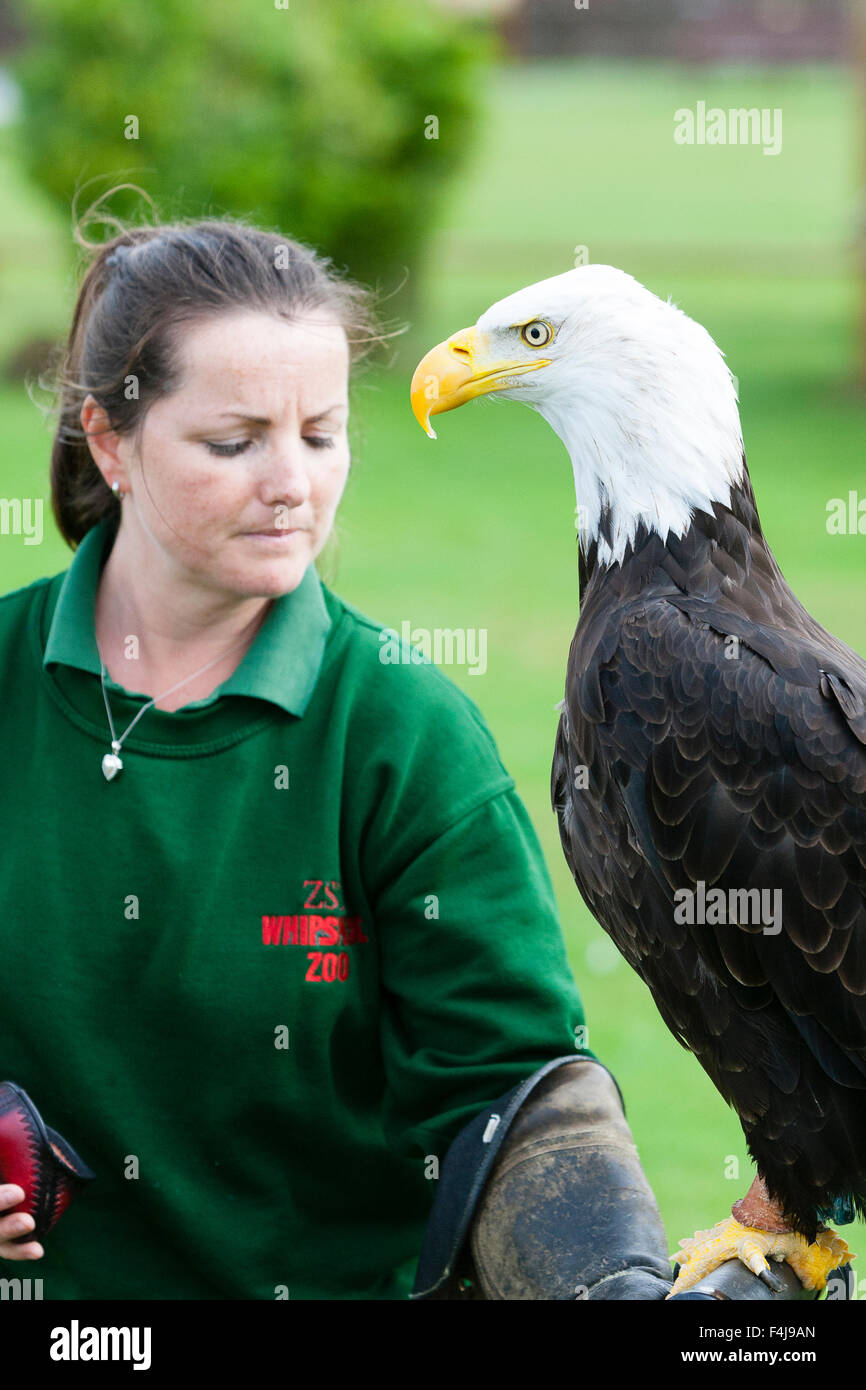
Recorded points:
(274, 575)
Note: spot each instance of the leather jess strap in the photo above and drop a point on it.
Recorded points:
(37, 1159)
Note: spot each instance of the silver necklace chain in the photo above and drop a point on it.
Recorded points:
(111, 763)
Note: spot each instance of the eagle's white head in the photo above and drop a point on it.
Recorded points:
(638, 393)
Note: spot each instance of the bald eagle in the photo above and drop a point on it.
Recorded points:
(709, 772)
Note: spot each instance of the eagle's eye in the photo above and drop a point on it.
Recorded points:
(537, 333)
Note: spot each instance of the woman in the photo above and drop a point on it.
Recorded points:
(276, 925)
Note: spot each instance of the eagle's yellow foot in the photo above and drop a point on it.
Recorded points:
(703, 1252)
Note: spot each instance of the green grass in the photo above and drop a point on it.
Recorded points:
(476, 530)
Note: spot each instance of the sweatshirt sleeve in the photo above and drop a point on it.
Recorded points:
(477, 990)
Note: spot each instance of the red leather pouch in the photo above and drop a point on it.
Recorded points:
(37, 1159)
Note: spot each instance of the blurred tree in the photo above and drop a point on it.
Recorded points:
(335, 121)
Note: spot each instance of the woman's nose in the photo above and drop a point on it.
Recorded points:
(287, 478)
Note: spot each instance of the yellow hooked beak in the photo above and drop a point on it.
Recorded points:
(457, 371)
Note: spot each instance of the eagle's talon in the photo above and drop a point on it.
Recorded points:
(704, 1252)
(768, 1278)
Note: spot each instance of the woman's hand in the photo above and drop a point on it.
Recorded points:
(11, 1226)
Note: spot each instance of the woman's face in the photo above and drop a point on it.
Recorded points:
(237, 474)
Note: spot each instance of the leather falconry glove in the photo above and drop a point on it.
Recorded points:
(567, 1211)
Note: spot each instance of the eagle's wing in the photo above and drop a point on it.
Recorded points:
(681, 758)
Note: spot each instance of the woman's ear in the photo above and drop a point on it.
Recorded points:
(103, 443)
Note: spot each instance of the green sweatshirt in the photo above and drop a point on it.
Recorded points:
(261, 978)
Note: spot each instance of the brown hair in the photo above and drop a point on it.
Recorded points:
(139, 288)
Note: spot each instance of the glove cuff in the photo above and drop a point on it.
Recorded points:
(567, 1211)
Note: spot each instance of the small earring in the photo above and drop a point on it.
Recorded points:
(115, 488)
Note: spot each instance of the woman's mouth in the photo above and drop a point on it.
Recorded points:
(282, 533)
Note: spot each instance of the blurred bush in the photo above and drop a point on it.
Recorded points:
(312, 119)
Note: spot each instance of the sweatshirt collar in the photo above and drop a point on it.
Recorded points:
(281, 666)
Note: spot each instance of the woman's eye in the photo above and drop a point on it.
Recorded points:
(239, 446)
(536, 334)
(229, 450)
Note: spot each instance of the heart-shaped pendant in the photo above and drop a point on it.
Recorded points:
(111, 765)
